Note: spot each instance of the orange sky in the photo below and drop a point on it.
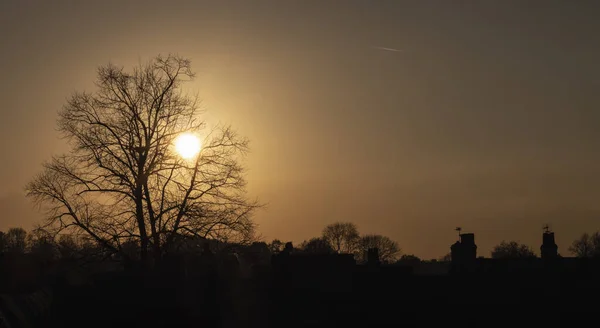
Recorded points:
(487, 118)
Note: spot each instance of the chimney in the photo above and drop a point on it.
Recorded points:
(468, 247)
(549, 248)
(464, 253)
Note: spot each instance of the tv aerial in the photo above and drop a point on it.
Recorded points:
(546, 228)
(458, 229)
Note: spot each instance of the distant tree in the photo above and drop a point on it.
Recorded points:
(446, 258)
(67, 247)
(123, 177)
(276, 246)
(290, 248)
(257, 253)
(512, 250)
(388, 249)
(2, 242)
(130, 249)
(342, 236)
(407, 259)
(582, 247)
(16, 240)
(91, 250)
(317, 246)
(586, 246)
(42, 245)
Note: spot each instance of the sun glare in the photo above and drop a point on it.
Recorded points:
(187, 145)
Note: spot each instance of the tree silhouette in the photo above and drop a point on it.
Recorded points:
(586, 245)
(16, 240)
(409, 259)
(123, 180)
(276, 246)
(42, 245)
(130, 249)
(388, 249)
(512, 250)
(446, 258)
(2, 242)
(90, 249)
(257, 253)
(67, 246)
(317, 246)
(342, 236)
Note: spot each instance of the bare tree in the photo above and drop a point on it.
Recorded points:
(257, 253)
(317, 246)
(512, 250)
(90, 250)
(67, 246)
(409, 259)
(388, 249)
(276, 246)
(446, 258)
(586, 245)
(42, 245)
(16, 240)
(342, 236)
(131, 249)
(123, 180)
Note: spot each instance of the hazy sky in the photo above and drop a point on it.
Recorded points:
(488, 118)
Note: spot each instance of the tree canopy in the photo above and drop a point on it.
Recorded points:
(512, 250)
(342, 236)
(388, 249)
(586, 245)
(123, 181)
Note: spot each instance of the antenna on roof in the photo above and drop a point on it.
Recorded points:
(546, 228)
(458, 229)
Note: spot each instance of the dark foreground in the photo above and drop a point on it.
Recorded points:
(272, 299)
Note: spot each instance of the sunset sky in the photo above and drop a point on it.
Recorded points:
(408, 118)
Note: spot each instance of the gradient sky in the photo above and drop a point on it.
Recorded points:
(488, 118)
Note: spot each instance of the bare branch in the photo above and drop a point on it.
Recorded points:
(123, 182)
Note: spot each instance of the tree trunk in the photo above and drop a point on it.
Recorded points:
(157, 255)
(156, 247)
(139, 213)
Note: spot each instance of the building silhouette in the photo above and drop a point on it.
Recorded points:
(549, 249)
(463, 253)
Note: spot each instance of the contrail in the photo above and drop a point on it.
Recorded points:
(389, 49)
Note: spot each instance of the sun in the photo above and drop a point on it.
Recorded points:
(187, 145)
